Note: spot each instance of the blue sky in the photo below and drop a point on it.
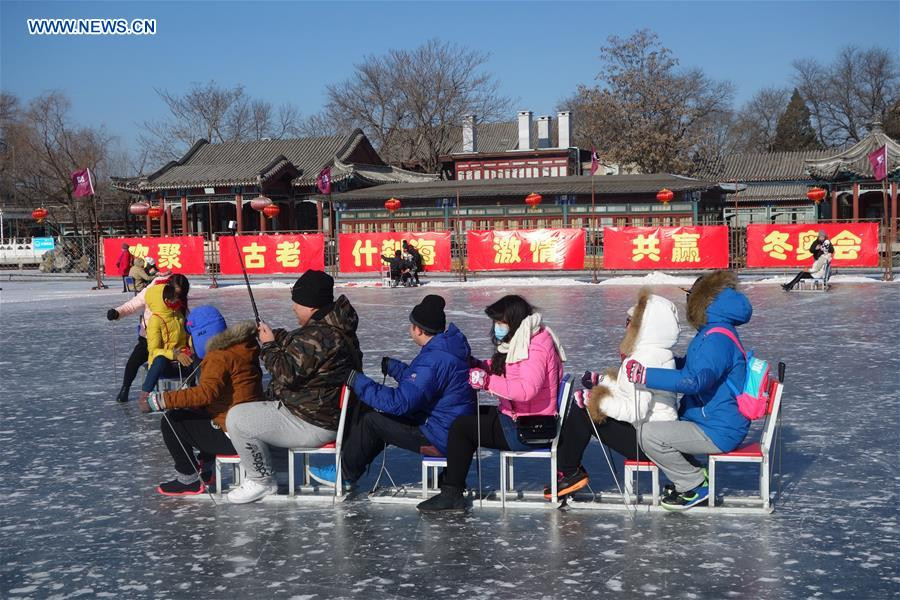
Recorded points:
(289, 51)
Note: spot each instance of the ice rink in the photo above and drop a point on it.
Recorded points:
(81, 518)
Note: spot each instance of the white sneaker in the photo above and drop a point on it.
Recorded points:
(251, 491)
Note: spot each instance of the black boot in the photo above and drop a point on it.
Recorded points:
(123, 394)
(449, 500)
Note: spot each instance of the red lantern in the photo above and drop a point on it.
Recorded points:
(155, 212)
(260, 202)
(392, 204)
(665, 195)
(39, 214)
(816, 194)
(533, 199)
(271, 210)
(139, 209)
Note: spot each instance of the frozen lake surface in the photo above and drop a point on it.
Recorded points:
(80, 517)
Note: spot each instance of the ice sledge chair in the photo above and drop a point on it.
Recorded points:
(632, 469)
(432, 460)
(507, 481)
(753, 452)
(816, 283)
(333, 448)
(237, 471)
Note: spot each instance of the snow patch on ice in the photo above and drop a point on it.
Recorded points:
(654, 278)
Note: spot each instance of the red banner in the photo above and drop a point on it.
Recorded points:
(855, 244)
(179, 254)
(270, 254)
(526, 250)
(702, 247)
(362, 252)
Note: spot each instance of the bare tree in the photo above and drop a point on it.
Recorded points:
(645, 110)
(410, 101)
(753, 129)
(843, 97)
(218, 114)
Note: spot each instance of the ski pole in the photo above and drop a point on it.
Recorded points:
(232, 226)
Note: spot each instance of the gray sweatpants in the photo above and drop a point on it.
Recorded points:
(665, 441)
(254, 424)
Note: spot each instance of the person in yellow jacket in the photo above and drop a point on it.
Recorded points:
(167, 342)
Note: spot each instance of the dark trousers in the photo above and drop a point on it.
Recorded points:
(463, 442)
(162, 367)
(196, 433)
(577, 432)
(796, 280)
(369, 436)
(138, 357)
(124, 285)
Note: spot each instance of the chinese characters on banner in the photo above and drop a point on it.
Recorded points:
(702, 247)
(855, 244)
(526, 250)
(182, 254)
(362, 252)
(271, 254)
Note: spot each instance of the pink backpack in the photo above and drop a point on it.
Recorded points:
(753, 401)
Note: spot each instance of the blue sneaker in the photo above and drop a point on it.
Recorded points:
(326, 475)
(686, 500)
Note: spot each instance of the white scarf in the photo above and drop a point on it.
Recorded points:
(516, 350)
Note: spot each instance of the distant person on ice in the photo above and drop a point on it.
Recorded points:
(229, 375)
(309, 366)
(432, 391)
(399, 269)
(141, 277)
(617, 405)
(524, 374)
(710, 421)
(123, 265)
(139, 353)
(822, 251)
(415, 259)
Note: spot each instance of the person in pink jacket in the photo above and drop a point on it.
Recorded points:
(524, 375)
(139, 354)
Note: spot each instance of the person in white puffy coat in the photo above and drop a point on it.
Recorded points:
(610, 400)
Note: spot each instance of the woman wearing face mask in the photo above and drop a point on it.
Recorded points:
(524, 374)
(167, 340)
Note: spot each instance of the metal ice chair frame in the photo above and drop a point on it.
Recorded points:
(753, 452)
(507, 457)
(329, 448)
(237, 471)
(430, 466)
(632, 468)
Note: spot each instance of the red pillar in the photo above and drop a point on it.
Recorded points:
(169, 220)
(856, 202)
(834, 205)
(162, 217)
(184, 215)
(239, 205)
(148, 225)
(262, 222)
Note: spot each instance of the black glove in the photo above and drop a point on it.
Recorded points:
(590, 379)
(385, 364)
(112, 314)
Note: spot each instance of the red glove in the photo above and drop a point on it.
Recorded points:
(478, 379)
(635, 372)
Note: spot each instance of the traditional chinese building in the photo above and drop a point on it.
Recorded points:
(214, 183)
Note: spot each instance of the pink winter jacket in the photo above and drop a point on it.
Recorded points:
(139, 302)
(530, 386)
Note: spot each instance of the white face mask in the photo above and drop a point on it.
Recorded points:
(500, 331)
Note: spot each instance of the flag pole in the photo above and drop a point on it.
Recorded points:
(594, 227)
(888, 246)
(100, 285)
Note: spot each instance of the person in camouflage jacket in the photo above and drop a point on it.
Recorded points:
(309, 365)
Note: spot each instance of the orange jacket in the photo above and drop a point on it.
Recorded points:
(230, 374)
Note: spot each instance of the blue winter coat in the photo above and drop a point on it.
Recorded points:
(710, 361)
(433, 390)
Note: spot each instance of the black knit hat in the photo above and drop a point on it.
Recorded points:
(429, 314)
(314, 289)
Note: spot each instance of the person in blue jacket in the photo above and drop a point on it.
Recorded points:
(709, 420)
(432, 392)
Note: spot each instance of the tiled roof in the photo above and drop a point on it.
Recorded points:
(771, 192)
(764, 166)
(854, 161)
(247, 163)
(581, 184)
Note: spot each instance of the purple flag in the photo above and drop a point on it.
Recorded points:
(323, 181)
(879, 163)
(82, 183)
